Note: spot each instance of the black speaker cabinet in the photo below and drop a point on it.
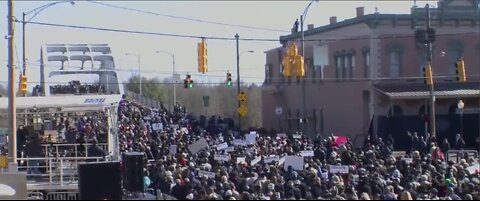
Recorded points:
(100, 181)
(133, 172)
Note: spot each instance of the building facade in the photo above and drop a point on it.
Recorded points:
(365, 75)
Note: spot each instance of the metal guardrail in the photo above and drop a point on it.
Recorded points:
(69, 150)
(35, 196)
(63, 196)
(457, 155)
(53, 171)
(142, 100)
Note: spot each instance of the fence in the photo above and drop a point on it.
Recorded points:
(136, 98)
(457, 155)
(63, 196)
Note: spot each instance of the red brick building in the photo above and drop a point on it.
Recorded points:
(366, 73)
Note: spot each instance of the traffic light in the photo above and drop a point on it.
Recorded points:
(461, 75)
(427, 74)
(299, 66)
(202, 57)
(229, 79)
(23, 84)
(188, 82)
(293, 63)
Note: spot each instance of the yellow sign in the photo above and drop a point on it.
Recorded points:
(242, 97)
(3, 161)
(242, 110)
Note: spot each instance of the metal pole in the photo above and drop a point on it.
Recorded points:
(12, 109)
(174, 82)
(23, 44)
(304, 107)
(238, 79)
(139, 74)
(461, 122)
(432, 97)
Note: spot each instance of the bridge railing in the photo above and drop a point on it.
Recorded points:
(142, 100)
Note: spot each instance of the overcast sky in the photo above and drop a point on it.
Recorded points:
(278, 15)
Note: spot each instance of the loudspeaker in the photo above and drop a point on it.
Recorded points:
(133, 172)
(100, 181)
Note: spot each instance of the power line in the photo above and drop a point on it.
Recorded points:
(185, 18)
(231, 39)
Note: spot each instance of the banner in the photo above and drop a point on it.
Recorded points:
(240, 159)
(230, 149)
(210, 175)
(219, 157)
(251, 139)
(269, 159)
(239, 142)
(157, 126)
(222, 146)
(307, 153)
(256, 160)
(342, 169)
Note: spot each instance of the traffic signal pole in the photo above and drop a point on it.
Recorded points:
(238, 79)
(12, 108)
(432, 97)
(304, 109)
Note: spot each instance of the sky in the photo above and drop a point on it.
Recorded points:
(278, 15)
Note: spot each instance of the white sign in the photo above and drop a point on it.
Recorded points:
(281, 135)
(253, 132)
(222, 146)
(281, 161)
(251, 138)
(342, 169)
(241, 159)
(219, 157)
(472, 169)
(184, 130)
(295, 161)
(230, 149)
(278, 111)
(296, 136)
(210, 175)
(198, 146)
(256, 160)
(407, 160)
(269, 159)
(308, 153)
(157, 126)
(239, 142)
(173, 149)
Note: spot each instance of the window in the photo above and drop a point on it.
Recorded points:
(352, 66)
(338, 66)
(366, 63)
(345, 66)
(268, 74)
(395, 64)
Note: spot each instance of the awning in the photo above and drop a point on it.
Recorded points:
(398, 91)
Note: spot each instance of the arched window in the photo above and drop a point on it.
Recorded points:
(395, 55)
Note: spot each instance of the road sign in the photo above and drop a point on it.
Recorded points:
(279, 111)
(242, 97)
(242, 110)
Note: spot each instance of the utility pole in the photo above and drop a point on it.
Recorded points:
(432, 97)
(12, 108)
(238, 79)
(304, 109)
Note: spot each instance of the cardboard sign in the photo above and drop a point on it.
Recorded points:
(308, 153)
(239, 142)
(230, 149)
(198, 146)
(219, 157)
(282, 135)
(256, 160)
(210, 175)
(172, 149)
(251, 139)
(407, 160)
(295, 161)
(241, 159)
(269, 159)
(342, 169)
(281, 161)
(157, 126)
(222, 146)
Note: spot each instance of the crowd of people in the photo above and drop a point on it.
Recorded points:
(75, 87)
(234, 166)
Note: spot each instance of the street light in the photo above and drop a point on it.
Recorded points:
(173, 75)
(139, 71)
(36, 11)
(460, 106)
(302, 20)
